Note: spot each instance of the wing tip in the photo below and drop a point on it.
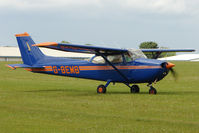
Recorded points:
(13, 68)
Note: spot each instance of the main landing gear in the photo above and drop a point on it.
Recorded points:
(133, 88)
(102, 88)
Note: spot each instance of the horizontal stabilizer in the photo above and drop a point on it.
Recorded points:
(14, 66)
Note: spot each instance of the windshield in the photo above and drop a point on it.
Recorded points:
(134, 54)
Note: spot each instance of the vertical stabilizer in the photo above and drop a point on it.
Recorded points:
(30, 54)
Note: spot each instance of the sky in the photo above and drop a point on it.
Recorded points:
(112, 23)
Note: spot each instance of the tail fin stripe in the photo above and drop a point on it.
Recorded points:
(22, 35)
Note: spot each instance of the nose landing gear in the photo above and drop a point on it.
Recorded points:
(152, 90)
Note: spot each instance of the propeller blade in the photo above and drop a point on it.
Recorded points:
(174, 74)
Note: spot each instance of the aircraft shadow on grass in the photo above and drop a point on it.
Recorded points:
(83, 92)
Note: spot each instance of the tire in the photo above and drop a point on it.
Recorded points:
(135, 89)
(152, 91)
(101, 89)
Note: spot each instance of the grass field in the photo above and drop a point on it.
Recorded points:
(38, 103)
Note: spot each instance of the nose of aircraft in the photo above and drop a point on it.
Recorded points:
(169, 65)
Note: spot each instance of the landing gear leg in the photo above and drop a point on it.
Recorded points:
(152, 90)
(102, 88)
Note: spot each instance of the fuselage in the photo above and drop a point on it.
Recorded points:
(138, 71)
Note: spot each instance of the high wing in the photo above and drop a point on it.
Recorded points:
(156, 52)
(103, 50)
(81, 48)
(168, 50)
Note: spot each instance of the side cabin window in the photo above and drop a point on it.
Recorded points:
(98, 60)
(112, 58)
(128, 57)
(115, 58)
(131, 55)
(134, 54)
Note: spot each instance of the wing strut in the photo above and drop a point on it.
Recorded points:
(156, 55)
(125, 78)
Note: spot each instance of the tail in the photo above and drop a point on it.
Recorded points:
(30, 54)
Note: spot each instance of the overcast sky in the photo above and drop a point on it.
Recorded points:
(114, 23)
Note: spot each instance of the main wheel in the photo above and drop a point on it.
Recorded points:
(135, 89)
(101, 89)
(152, 91)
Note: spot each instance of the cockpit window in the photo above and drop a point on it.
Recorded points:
(134, 54)
(128, 57)
(111, 58)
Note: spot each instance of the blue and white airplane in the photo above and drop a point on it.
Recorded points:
(114, 65)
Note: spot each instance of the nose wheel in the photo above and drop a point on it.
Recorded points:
(152, 90)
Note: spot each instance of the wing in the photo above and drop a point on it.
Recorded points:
(81, 48)
(156, 52)
(168, 50)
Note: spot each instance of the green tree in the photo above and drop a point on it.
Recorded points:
(154, 45)
(148, 45)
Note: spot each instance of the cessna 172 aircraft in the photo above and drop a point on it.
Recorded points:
(114, 65)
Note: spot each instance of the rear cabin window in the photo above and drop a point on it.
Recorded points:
(98, 60)
(115, 58)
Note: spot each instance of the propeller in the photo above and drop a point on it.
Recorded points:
(173, 72)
